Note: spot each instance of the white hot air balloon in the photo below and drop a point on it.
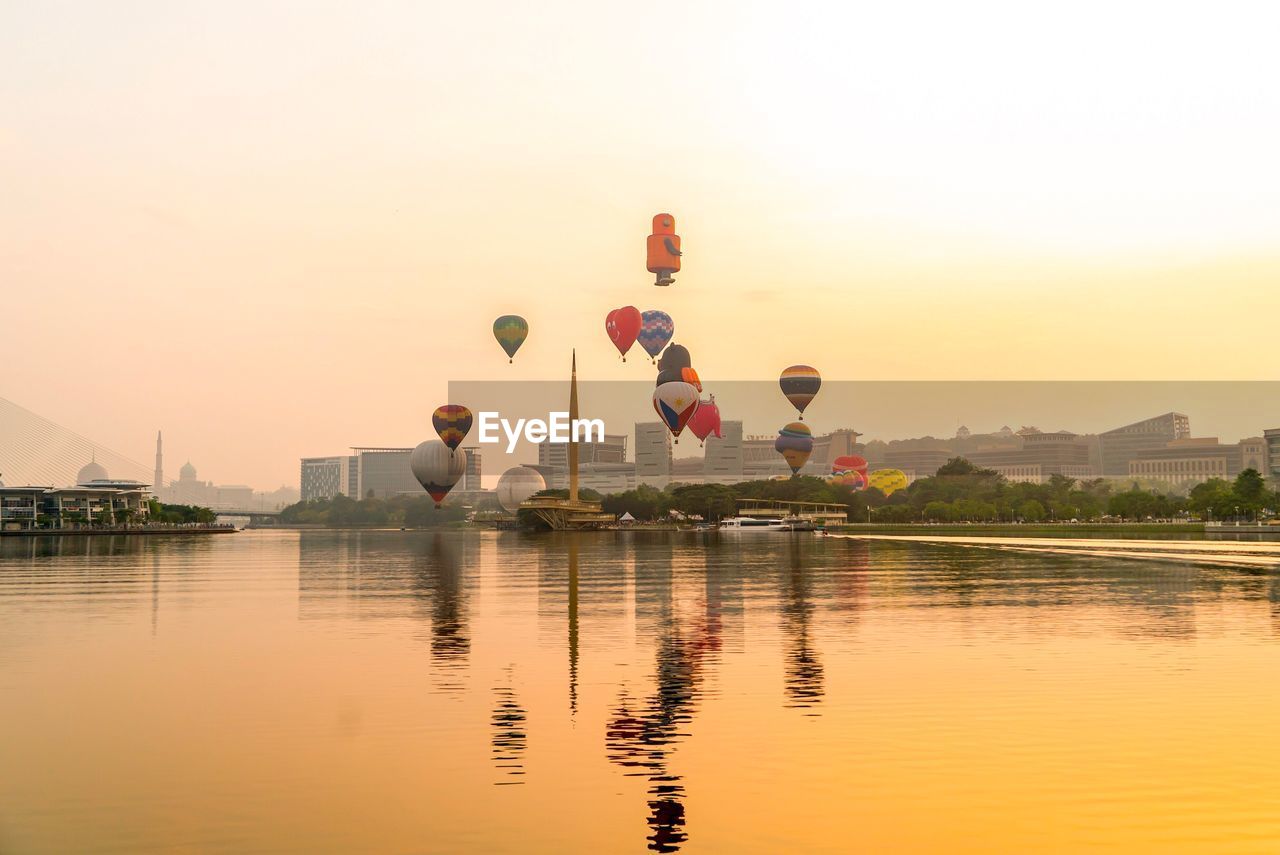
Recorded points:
(437, 468)
(517, 484)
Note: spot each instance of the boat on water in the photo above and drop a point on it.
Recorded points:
(764, 524)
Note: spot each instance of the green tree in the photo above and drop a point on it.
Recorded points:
(1031, 510)
(937, 511)
(709, 501)
(961, 466)
(1251, 489)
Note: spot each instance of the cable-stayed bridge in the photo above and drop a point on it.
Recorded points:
(36, 451)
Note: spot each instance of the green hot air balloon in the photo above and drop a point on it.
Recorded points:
(511, 331)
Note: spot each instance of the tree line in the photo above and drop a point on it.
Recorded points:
(343, 511)
(958, 492)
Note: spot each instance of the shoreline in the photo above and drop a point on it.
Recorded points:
(128, 532)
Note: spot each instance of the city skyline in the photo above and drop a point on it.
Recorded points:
(1223, 401)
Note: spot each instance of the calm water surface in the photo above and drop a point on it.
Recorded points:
(422, 692)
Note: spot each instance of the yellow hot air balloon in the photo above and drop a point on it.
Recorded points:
(888, 481)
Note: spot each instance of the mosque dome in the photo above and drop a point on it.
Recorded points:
(91, 471)
(187, 472)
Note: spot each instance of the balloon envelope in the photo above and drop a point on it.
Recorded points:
(623, 325)
(675, 356)
(656, 329)
(795, 444)
(851, 478)
(690, 376)
(517, 484)
(452, 422)
(888, 481)
(849, 463)
(510, 331)
(670, 375)
(705, 421)
(800, 383)
(675, 403)
(437, 468)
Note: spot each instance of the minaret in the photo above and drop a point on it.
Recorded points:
(573, 418)
(159, 476)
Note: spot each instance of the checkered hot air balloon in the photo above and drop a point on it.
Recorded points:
(800, 383)
(656, 329)
(452, 422)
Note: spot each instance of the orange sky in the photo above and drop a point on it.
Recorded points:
(278, 232)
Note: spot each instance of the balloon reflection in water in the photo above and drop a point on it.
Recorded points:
(440, 581)
(641, 734)
(509, 736)
(803, 665)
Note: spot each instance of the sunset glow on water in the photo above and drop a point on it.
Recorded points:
(617, 692)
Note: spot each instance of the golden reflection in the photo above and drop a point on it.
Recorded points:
(366, 691)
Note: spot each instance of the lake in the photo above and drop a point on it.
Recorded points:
(627, 692)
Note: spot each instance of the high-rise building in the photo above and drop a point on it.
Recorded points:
(384, 472)
(653, 453)
(326, 477)
(1123, 444)
(1271, 437)
(471, 478)
(594, 458)
(722, 460)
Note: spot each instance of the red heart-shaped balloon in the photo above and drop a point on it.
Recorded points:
(623, 325)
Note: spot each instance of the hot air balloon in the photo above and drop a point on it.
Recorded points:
(849, 463)
(888, 481)
(623, 325)
(656, 329)
(705, 420)
(674, 367)
(663, 256)
(800, 383)
(437, 468)
(517, 484)
(675, 356)
(851, 478)
(795, 444)
(452, 422)
(511, 331)
(675, 402)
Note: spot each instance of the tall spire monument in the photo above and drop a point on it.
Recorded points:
(571, 512)
(573, 434)
(159, 474)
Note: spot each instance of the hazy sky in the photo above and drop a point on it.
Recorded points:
(278, 229)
